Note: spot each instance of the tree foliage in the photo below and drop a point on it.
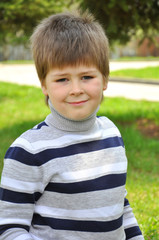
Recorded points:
(19, 17)
(123, 19)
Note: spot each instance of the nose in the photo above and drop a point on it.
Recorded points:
(76, 88)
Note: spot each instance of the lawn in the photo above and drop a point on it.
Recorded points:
(148, 73)
(136, 58)
(22, 107)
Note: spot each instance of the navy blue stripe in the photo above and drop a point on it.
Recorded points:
(18, 197)
(21, 155)
(126, 202)
(101, 183)
(132, 232)
(40, 125)
(78, 225)
(4, 228)
(42, 157)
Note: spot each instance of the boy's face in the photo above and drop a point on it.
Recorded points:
(75, 92)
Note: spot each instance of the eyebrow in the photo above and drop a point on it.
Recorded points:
(59, 74)
(66, 73)
(88, 72)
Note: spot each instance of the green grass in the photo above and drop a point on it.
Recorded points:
(17, 62)
(22, 107)
(142, 73)
(136, 58)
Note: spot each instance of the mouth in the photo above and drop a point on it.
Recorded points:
(78, 103)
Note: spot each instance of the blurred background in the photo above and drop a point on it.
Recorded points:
(131, 26)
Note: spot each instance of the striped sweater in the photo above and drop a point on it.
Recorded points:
(65, 180)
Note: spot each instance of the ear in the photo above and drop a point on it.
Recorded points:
(105, 85)
(44, 89)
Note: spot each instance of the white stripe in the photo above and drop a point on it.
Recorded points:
(129, 222)
(14, 221)
(23, 237)
(22, 142)
(103, 212)
(34, 237)
(64, 140)
(92, 172)
(28, 187)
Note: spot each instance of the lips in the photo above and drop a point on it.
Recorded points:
(78, 102)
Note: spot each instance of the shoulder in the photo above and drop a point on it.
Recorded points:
(26, 147)
(35, 133)
(105, 123)
(110, 131)
(38, 139)
(27, 139)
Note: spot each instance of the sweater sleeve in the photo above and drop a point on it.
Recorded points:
(19, 191)
(132, 230)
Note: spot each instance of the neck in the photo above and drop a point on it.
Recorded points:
(65, 124)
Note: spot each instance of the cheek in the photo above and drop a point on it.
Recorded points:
(58, 94)
(96, 89)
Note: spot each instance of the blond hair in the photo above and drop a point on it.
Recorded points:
(69, 39)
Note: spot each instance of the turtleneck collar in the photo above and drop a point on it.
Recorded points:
(57, 120)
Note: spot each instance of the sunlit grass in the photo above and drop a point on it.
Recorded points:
(17, 62)
(136, 58)
(142, 73)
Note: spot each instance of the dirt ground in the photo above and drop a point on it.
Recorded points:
(148, 128)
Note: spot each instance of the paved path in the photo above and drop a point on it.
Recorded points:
(116, 65)
(26, 74)
(133, 91)
(21, 74)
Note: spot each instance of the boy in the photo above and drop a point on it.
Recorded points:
(65, 178)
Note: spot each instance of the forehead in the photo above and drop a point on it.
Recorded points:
(69, 69)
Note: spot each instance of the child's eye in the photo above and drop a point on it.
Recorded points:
(61, 80)
(87, 77)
